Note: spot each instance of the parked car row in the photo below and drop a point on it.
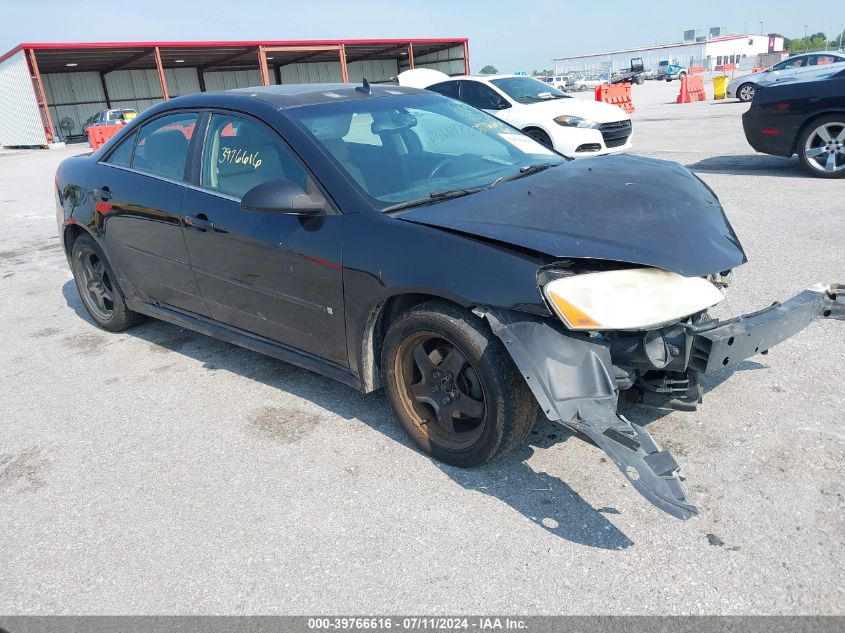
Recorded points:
(390, 237)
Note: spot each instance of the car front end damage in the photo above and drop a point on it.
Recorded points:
(578, 377)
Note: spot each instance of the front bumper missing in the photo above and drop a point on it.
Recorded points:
(721, 344)
(573, 378)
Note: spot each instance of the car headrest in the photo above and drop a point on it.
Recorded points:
(332, 127)
(164, 144)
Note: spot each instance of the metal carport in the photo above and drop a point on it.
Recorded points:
(48, 90)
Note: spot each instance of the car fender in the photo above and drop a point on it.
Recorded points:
(414, 260)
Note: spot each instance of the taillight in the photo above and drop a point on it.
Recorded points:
(769, 131)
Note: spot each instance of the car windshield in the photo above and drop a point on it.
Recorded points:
(527, 89)
(420, 148)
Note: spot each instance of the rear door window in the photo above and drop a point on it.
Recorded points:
(162, 147)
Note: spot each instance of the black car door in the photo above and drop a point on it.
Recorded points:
(138, 190)
(275, 275)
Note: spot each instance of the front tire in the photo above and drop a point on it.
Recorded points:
(453, 386)
(98, 288)
(821, 147)
(745, 92)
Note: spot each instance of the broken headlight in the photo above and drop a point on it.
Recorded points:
(633, 299)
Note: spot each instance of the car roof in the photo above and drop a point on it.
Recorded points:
(805, 54)
(295, 95)
(489, 77)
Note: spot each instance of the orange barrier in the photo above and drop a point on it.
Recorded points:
(99, 134)
(696, 70)
(692, 89)
(616, 94)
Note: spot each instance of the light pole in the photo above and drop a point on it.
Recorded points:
(761, 27)
(806, 41)
(841, 29)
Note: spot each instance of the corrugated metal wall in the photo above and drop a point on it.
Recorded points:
(375, 70)
(449, 61)
(20, 120)
(73, 97)
(230, 79)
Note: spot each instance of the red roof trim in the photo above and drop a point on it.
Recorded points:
(225, 44)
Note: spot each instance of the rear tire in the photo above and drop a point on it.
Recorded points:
(453, 386)
(98, 288)
(745, 92)
(821, 157)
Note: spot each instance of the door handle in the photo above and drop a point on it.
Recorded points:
(103, 193)
(200, 222)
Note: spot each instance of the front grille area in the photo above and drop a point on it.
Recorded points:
(615, 134)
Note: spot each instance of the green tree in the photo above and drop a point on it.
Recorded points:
(815, 42)
(489, 70)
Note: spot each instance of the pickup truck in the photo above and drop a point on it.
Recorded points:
(669, 69)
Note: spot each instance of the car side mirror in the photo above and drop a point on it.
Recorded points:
(281, 196)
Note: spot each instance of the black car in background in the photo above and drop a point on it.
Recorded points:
(804, 117)
(392, 237)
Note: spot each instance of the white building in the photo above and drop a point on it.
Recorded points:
(708, 52)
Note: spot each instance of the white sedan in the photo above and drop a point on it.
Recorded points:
(575, 127)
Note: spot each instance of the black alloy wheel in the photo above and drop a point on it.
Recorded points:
(97, 291)
(98, 287)
(453, 386)
(440, 387)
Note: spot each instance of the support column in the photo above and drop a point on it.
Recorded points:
(410, 55)
(201, 79)
(160, 69)
(466, 58)
(344, 74)
(48, 120)
(262, 66)
(105, 89)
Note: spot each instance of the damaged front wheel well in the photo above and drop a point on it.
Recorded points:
(376, 328)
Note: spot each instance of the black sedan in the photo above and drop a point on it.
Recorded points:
(804, 117)
(392, 237)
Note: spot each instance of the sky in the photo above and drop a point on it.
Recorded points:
(512, 36)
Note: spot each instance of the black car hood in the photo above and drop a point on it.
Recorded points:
(620, 208)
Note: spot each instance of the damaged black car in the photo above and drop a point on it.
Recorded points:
(393, 238)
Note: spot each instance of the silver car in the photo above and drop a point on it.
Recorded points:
(743, 87)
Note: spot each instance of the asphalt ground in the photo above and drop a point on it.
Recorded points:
(161, 471)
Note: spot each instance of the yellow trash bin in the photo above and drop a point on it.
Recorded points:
(720, 86)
